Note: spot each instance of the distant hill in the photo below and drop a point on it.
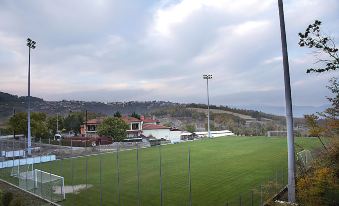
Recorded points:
(298, 111)
(172, 114)
(9, 102)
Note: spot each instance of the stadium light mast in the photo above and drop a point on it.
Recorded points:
(207, 77)
(288, 102)
(31, 45)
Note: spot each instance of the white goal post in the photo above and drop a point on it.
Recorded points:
(45, 184)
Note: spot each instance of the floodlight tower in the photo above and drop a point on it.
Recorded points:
(31, 45)
(207, 77)
(288, 103)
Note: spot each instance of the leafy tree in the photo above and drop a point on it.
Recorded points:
(168, 124)
(117, 114)
(135, 115)
(314, 129)
(39, 125)
(212, 126)
(190, 128)
(52, 123)
(113, 127)
(313, 38)
(331, 114)
(18, 122)
(73, 122)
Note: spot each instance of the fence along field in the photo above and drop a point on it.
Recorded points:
(230, 170)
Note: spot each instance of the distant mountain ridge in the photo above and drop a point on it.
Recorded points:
(8, 102)
(298, 111)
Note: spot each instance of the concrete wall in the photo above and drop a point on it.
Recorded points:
(173, 136)
(157, 133)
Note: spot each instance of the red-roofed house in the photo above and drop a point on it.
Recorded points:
(148, 127)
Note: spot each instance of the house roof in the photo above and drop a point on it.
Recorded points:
(153, 127)
(95, 121)
(128, 119)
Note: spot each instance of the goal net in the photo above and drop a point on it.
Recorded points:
(276, 133)
(44, 184)
(21, 168)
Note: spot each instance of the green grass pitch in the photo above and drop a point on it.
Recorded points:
(221, 170)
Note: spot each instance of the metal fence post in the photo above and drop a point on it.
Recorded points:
(100, 182)
(61, 162)
(13, 151)
(138, 174)
(72, 165)
(261, 197)
(26, 172)
(160, 173)
(189, 176)
(86, 175)
(61, 157)
(40, 152)
(2, 161)
(252, 198)
(50, 176)
(282, 175)
(118, 173)
(276, 182)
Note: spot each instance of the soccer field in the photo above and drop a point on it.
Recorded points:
(221, 170)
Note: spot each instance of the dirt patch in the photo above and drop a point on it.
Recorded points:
(76, 189)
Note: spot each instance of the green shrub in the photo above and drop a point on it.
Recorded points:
(7, 198)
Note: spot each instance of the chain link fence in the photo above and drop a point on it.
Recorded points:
(113, 177)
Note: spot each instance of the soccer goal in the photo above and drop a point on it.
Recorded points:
(16, 170)
(276, 133)
(44, 184)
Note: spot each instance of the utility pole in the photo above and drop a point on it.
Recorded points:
(289, 113)
(31, 45)
(86, 124)
(57, 129)
(207, 77)
(14, 127)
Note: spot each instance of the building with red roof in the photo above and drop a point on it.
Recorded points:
(145, 127)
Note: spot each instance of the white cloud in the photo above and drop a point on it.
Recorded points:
(158, 50)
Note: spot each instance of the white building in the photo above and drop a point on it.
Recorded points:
(221, 133)
(161, 132)
(148, 127)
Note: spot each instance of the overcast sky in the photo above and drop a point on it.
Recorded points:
(158, 50)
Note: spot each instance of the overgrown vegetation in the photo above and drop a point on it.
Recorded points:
(43, 126)
(322, 44)
(319, 185)
(8, 199)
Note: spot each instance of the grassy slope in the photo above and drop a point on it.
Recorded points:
(221, 168)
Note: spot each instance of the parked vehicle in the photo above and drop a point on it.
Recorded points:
(57, 137)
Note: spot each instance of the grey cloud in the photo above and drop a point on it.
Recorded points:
(80, 43)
